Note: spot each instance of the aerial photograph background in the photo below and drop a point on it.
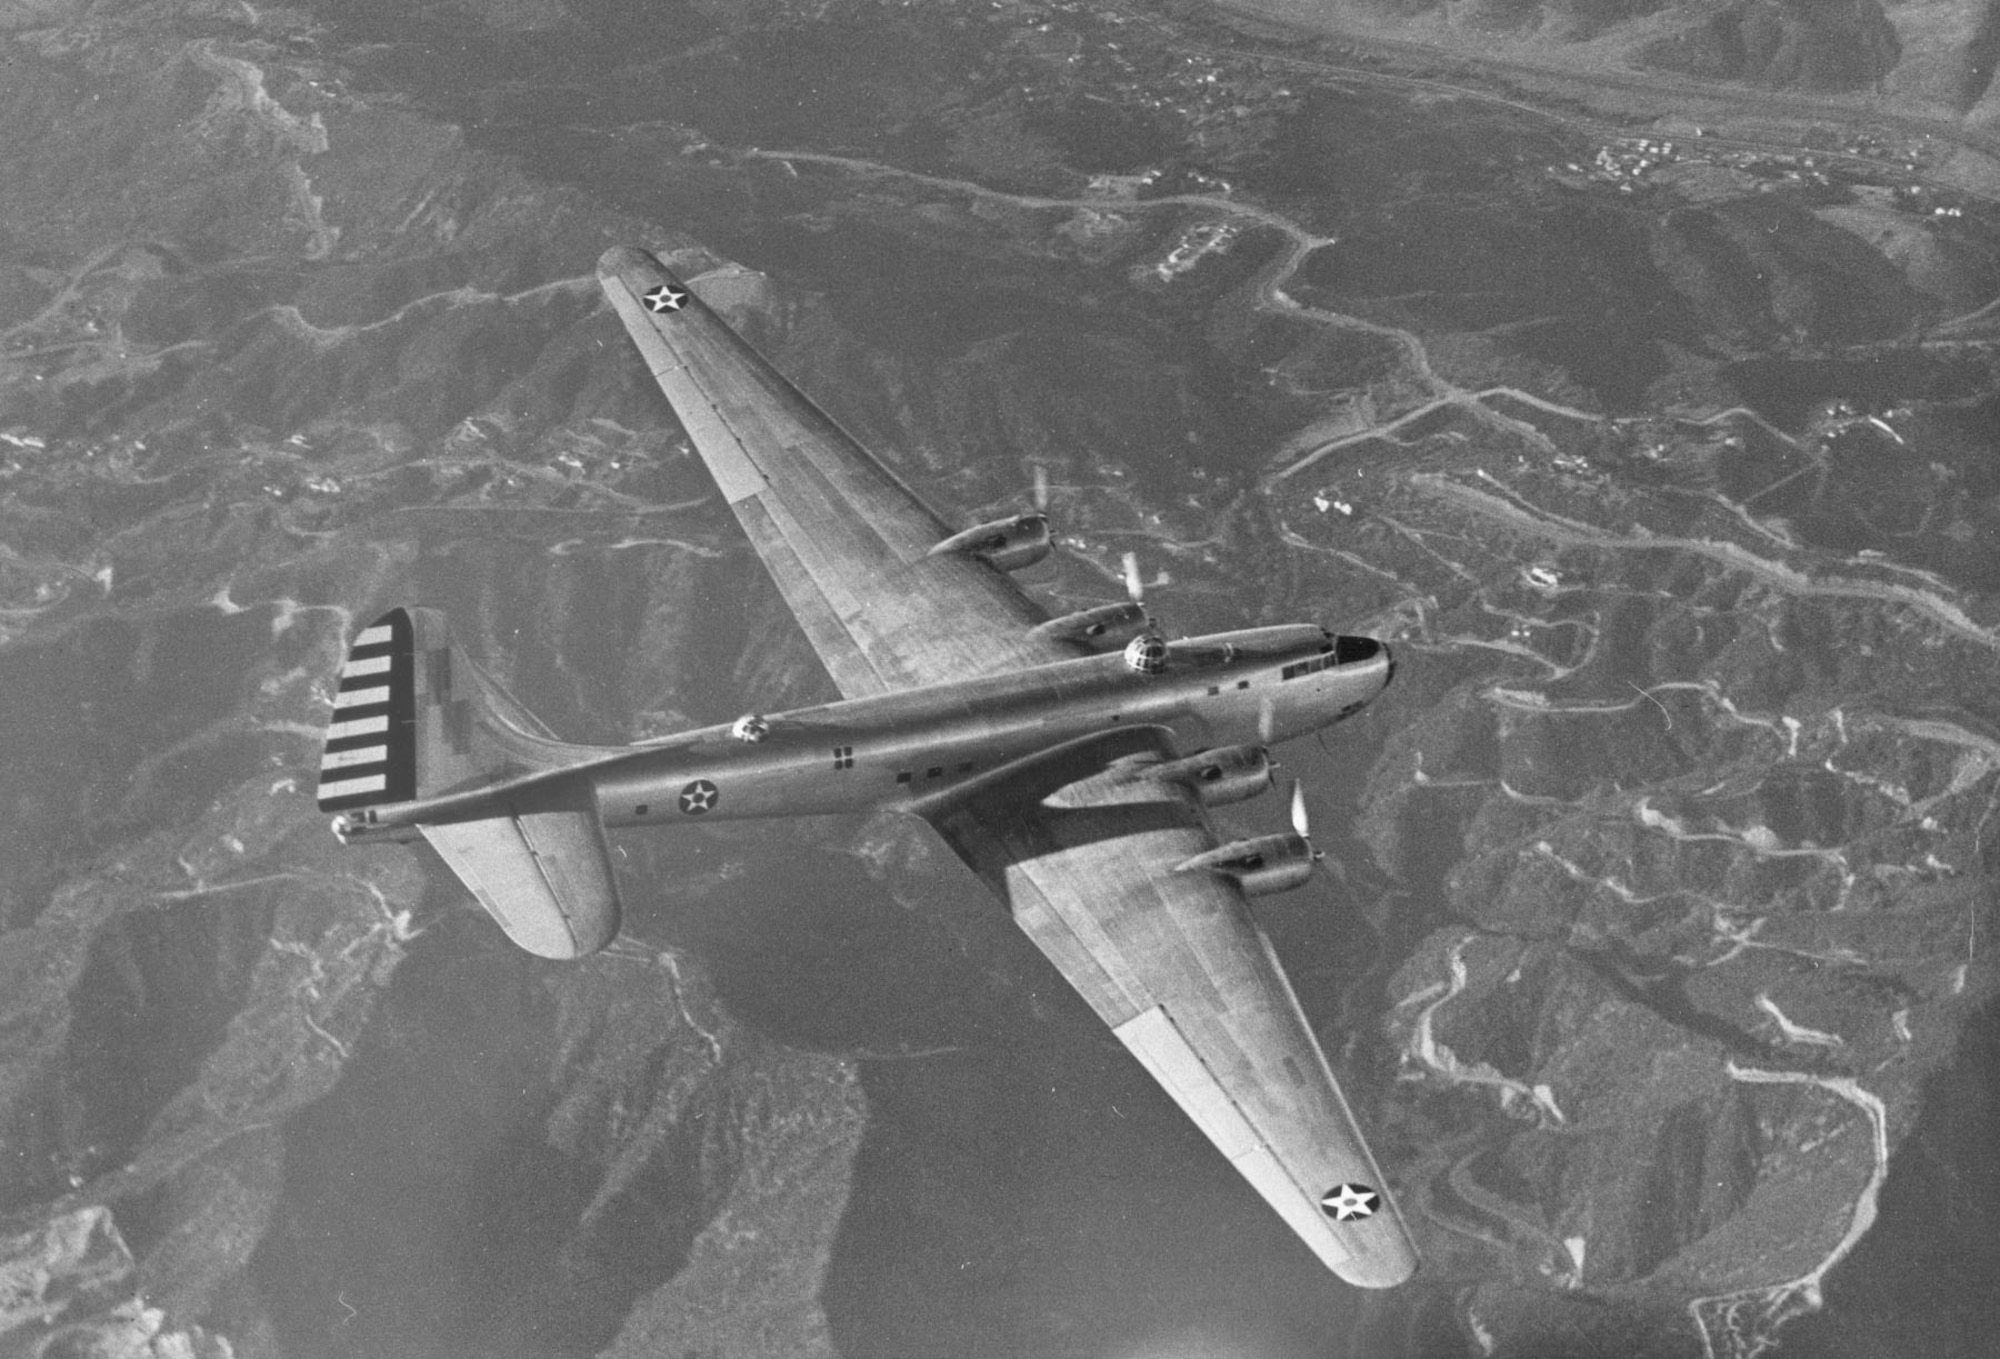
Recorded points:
(1629, 367)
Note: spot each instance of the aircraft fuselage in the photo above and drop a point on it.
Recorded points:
(864, 754)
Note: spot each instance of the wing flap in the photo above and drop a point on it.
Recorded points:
(839, 650)
(1173, 1062)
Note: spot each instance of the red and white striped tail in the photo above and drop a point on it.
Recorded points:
(370, 756)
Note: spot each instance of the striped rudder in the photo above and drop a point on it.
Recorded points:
(370, 755)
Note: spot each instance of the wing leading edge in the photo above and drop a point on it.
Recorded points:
(1077, 841)
(845, 540)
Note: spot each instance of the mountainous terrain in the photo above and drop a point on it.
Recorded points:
(1916, 56)
(1660, 889)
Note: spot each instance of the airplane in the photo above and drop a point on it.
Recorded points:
(1071, 762)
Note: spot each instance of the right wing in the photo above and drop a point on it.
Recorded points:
(1081, 844)
(846, 541)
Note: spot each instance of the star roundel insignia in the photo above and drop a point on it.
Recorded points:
(1346, 1202)
(666, 297)
(699, 796)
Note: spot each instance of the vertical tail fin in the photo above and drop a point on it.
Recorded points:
(415, 720)
(370, 756)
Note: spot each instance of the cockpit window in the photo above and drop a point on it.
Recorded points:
(1246, 646)
(1197, 655)
(1195, 652)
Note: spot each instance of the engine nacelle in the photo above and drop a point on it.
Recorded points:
(1222, 775)
(1266, 864)
(1009, 544)
(1104, 628)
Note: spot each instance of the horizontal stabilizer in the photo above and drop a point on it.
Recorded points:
(542, 871)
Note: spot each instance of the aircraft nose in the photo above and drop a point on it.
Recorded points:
(1348, 650)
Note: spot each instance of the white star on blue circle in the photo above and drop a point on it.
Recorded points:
(1346, 1202)
(666, 297)
(699, 797)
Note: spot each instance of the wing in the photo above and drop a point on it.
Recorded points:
(1078, 841)
(845, 540)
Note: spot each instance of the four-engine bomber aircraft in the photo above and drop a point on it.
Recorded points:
(1069, 761)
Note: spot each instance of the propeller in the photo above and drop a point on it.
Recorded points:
(1301, 822)
(1041, 488)
(1267, 724)
(1135, 590)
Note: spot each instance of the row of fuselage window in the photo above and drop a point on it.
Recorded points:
(1290, 672)
(1317, 663)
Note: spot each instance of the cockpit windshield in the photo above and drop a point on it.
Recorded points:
(1201, 655)
(1247, 645)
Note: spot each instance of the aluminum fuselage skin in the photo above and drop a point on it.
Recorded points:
(866, 754)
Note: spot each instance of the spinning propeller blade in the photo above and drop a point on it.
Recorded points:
(1301, 822)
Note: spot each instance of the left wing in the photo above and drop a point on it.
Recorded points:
(848, 544)
(1078, 840)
